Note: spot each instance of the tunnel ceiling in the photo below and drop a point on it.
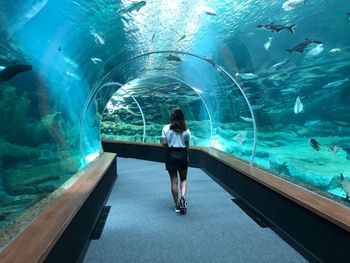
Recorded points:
(71, 41)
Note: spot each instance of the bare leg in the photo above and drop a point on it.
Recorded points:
(174, 186)
(183, 184)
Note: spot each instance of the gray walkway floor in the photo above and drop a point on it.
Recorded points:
(143, 227)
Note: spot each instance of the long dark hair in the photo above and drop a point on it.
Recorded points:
(177, 120)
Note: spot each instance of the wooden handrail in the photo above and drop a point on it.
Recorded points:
(326, 208)
(35, 242)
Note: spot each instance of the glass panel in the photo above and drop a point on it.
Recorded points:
(229, 125)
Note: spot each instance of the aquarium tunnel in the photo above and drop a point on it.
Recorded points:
(263, 82)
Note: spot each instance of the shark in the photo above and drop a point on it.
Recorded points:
(277, 28)
(132, 7)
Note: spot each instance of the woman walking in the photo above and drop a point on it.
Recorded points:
(176, 137)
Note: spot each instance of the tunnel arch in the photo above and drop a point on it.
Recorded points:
(109, 77)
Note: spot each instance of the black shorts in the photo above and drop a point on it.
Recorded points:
(176, 159)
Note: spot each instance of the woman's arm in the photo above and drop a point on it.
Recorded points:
(164, 141)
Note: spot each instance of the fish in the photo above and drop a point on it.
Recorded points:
(278, 65)
(257, 107)
(333, 148)
(348, 15)
(208, 10)
(289, 91)
(59, 49)
(247, 76)
(132, 7)
(98, 39)
(197, 90)
(96, 60)
(278, 28)
(335, 84)
(72, 75)
(241, 137)
(246, 119)
(210, 59)
(71, 63)
(298, 106)
(268, 43)
(274, 111)
(173, 58)
(345, 184)
(274, 76)
(334, 50)
(181, 38)
(76, 3)
(154, 34)
(7, 73)
(315, 144)
(311, 122)
(291, 4)
(301, 46)
(318, 49)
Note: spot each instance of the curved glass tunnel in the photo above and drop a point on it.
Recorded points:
(61, 62)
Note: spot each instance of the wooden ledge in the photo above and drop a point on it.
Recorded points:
(326, 208)
(35, 242)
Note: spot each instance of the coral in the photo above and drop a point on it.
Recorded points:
(17, 127)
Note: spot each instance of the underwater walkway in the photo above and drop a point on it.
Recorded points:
(143, 227)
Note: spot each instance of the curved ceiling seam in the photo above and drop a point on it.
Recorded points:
(210, 61)
(83, 114)
(205, 104)
(134, 99)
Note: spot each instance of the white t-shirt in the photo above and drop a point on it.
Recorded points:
(175, 138)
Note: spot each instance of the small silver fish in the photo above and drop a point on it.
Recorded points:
(246, 119)
(334, 50)
(298, 106)
(333, 148)
(335, 83)
(268, 43)
(241, 137)
(72, 75)
(247, 76)
(311, 122)
(289, 91)
(278, 65)
(76, 3)
(345, 184)
(96, 60)
(315, 144)
(291, 4)
(98, 39)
